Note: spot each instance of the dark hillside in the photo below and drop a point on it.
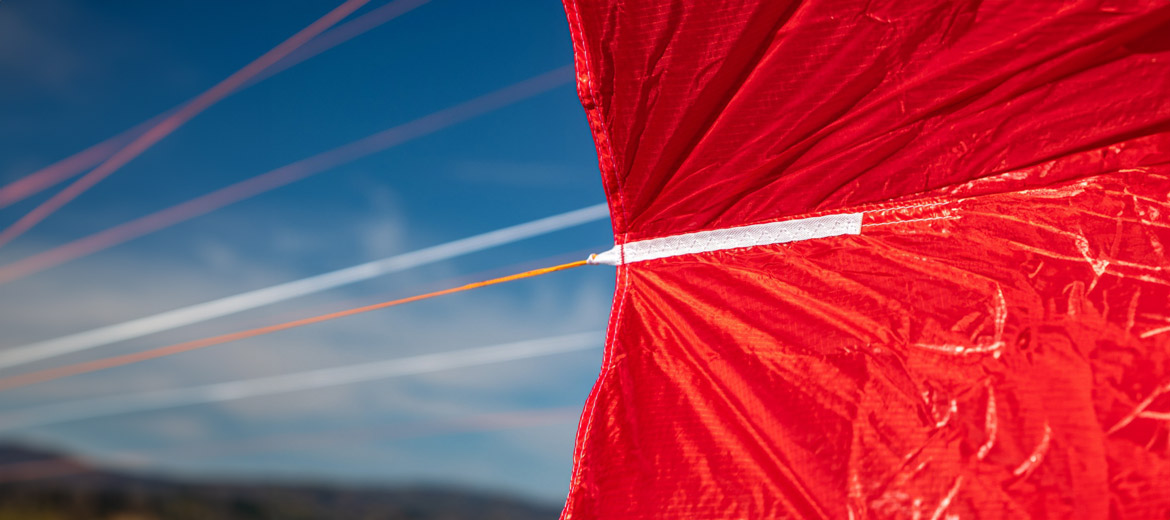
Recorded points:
(69, 490)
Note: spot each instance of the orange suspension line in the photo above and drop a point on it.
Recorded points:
(51, 374)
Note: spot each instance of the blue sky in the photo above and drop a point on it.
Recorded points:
(79, 72)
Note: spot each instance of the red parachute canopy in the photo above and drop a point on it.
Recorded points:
(982, 330)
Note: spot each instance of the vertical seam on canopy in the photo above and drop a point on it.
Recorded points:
(598, 116)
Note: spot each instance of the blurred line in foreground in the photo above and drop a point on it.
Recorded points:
(73, 165)
(244, 321)
(175, 120)
(85, 367)
(296, 382)
(286, 174)
(286, 291)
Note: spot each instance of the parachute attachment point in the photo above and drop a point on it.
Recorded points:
(731, 238)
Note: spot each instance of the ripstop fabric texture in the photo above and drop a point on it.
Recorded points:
(994, 343)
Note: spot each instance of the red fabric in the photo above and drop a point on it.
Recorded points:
(996, 341)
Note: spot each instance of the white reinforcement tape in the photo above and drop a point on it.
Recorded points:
(731, 238)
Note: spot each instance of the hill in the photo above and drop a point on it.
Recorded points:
(40, 485)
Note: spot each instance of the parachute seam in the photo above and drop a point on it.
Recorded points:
(601, 128)
(944, 217)
(755, 235)
(575, 482)
(606, 366)
(737, 237)
(912, 206)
